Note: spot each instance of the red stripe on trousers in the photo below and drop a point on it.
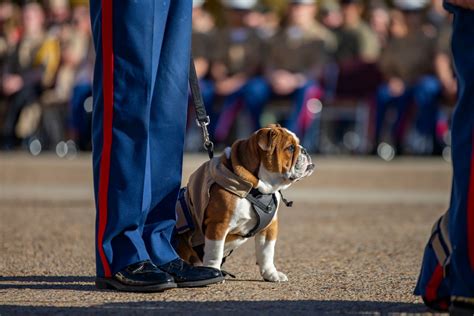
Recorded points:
(431, 293)
(470, 210)
(108, 92)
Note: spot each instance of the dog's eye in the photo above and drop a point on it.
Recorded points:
(291, 148)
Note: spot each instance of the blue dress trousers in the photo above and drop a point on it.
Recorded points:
(140, 95)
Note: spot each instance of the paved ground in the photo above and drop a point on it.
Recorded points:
(352, 243)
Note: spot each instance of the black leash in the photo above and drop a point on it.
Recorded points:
(202, 119)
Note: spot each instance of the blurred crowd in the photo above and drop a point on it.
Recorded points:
(46, 67)
(255, 64)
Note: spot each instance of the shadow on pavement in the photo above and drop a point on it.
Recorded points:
(78, 283)
(226, 307)
(86, 283)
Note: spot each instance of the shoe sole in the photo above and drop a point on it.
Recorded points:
(201, 283)
(112, 284)
(461, 311)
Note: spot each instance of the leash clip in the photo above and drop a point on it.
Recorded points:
(208, 144)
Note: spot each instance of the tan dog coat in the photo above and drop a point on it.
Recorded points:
(197, 196)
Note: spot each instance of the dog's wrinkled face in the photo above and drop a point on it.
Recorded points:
(283, 159)
(303, 167)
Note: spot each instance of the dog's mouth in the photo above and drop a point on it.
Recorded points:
(304, 167)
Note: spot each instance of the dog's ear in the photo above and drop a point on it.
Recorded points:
(266, 138)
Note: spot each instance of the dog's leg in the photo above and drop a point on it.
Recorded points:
(213, 253)
(265, 250)
(214, 245)
(217, 225)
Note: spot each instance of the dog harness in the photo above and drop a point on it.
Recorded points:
(264, 207)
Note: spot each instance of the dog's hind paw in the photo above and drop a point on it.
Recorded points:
(275, 276)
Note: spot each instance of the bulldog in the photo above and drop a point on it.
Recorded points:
(232, 198)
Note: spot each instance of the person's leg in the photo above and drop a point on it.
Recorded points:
(296, 122)
(16, 103)
(78, 116)
(455, 276)
(167, 130)
(400, 103)
(383, 100)
(123, 84)
(255, 94)
(230, 108)
(461, 217)
(164, 156)
(433, 285)
(426, 94)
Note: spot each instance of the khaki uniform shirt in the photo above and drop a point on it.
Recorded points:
(201, 45)
(297, 51)
(240, 50)
(362, 40)
(409, 64)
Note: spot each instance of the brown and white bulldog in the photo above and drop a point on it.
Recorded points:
(215, 215)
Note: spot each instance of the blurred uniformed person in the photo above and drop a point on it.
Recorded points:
(29, 69)
(410, 79)
(447, 275)
(331, 14)
(203, 30)
(302, 14)
(443, 61)
(75, 47)
(264, 20)
(356, 39)
(296, 57)
(237, 68)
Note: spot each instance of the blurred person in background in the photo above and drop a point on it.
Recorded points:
(80, 111)
(410, 80)
(356, 76)
(58, 19)
(297, 55)
(331, 14)
(445, 72)
(379, 20)
(29, 69)
(202, 42)
(438, 16)
(237, 69)
(72, 87)
(9, 28)
(264, 20)
(301, 17)
(366, 46)
(446, 279)
(443, 63)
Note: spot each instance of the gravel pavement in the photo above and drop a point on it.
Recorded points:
(351, 244)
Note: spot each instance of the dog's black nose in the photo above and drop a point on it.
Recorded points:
(310, 167)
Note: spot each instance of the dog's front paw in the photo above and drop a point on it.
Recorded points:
(274, 276)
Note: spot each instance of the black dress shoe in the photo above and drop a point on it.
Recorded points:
(139, 277)
(186, 275)
(462, 307)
